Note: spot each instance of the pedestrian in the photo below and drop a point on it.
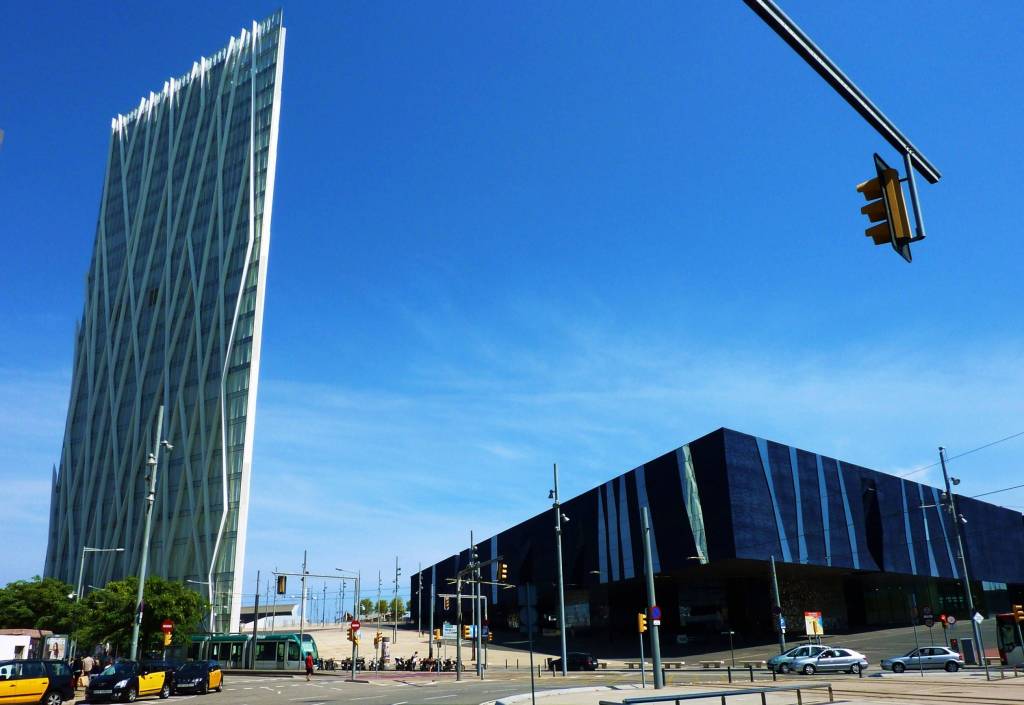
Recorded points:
(87, 666)
(309, 666)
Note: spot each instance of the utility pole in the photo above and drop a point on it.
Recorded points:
(355, 616)
(394, 603)
(430, 648)
(659, 680)
(777, 609)
(479, 623)
(152, 462)
(529, 632)
(273, 613)
(302, 603)
(419, 600)
(561, 580)
(458, 632)
(963, 562)
(255, 619)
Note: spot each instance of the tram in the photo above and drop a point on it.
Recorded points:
(279, 651)
(1008, 637)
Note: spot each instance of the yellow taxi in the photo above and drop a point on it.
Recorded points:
(198, 677)
(36, 681)
(127, 681)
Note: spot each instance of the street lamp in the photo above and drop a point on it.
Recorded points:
(559, 520)
(81, 568)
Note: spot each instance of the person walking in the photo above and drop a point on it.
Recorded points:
(309, 666)
(87, 664)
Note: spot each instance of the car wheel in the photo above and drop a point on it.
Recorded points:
(52, 698)
(809, 670)
(952, 666)
(856, 669)
(783, 668)
(898, 667)
(130, 695)
(205, 689)
(165, 692)
(220, 686)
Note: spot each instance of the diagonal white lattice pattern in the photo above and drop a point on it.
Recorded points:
(173, 316)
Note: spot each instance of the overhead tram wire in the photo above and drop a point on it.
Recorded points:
(966, 452)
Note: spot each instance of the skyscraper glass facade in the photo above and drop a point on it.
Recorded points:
(173, 317)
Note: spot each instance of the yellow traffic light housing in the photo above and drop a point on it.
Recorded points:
(348, 634)
(437, 635)
(502, 572)
(446, 603)
(167, 638)
(641, 622)
(490, 635)
(887, 207)
(1018, 613)
(467, 632)
(282, 584)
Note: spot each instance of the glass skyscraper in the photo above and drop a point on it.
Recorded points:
(173, 317)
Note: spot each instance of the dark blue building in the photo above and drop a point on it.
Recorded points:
(850, 542)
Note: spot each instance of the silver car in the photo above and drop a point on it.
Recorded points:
(783, 662)
(925, 657)
(832, 659)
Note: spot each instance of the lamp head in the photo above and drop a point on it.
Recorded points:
(551, 494)
(955, 480)
(167, 444)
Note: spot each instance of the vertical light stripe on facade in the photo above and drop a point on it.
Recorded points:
(602, 538)
(762, 449)
(945, 537)
(613, 529)
(691, 501)
(906, 528)
(627, 539)
(640, 476)
(494, 569)
(932, 567)
(823, 498)
(801, 539)
(851, 528)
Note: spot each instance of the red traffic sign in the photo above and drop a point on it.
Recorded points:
(167, 626)
(355, 625)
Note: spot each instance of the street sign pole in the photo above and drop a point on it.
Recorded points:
(777, 609)
(643, 676)
(659, 681)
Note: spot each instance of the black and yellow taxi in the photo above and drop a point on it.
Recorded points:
(198, 677)
(36, 681)
(126, 681)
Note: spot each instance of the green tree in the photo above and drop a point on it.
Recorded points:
(39, 603)
(366, 606)
(107, 614)
(382, 607)
(397, 606)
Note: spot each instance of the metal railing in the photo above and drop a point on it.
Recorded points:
(723, 694)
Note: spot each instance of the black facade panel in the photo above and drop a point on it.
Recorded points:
(810, 503)
(916, 514)
(993, 541)
(785, 494)
(708, 456)
(842, 555)
(753, 521)
(938, 538)
(854, 478)
(665, 494)
(890, 504)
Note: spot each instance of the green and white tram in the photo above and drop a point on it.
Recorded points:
(279, 651)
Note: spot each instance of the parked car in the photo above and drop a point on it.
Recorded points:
(198, 677)
(831, 659)
(126, 681)
(36, 681)
(576, 661)
(925, 657)
(783, 662)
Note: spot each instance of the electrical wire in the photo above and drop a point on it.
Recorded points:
(960, 455)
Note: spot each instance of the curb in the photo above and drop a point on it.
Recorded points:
(544, 693)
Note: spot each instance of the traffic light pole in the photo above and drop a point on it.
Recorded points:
(777, 608)
(433, 597)
(963, 564)
(561, 580)
(153, 461)
(458, 632)
(659, 680)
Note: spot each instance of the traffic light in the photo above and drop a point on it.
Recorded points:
(446, 603)
(376, 639)
(641, 622)
(437, 635)
(944, 620)
(467, 632)
(348, 634)
(1018, 613)
(502, 572)
(887, 207)
(282, 584)
(490, 635)
(167, 638)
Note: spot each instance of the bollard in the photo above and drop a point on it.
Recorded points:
(830, 699)
(751, 673)
(773, 675)
(860, 672)
(728, 672)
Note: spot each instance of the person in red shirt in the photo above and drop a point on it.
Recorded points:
(309, 666)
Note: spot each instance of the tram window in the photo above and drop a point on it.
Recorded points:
(293, 651)
(265, 651)
(280, 651)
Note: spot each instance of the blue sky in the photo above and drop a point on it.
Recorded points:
(512, 234)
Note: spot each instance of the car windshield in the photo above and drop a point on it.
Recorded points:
(912, 652)
(192, 669)
(117, 669)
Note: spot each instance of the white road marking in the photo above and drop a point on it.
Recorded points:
(438, 697)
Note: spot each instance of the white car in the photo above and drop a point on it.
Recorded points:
(925, 657)
(832, 659)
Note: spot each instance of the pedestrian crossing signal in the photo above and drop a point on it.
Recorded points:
(282, 584)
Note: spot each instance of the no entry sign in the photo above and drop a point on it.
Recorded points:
(167, 626)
